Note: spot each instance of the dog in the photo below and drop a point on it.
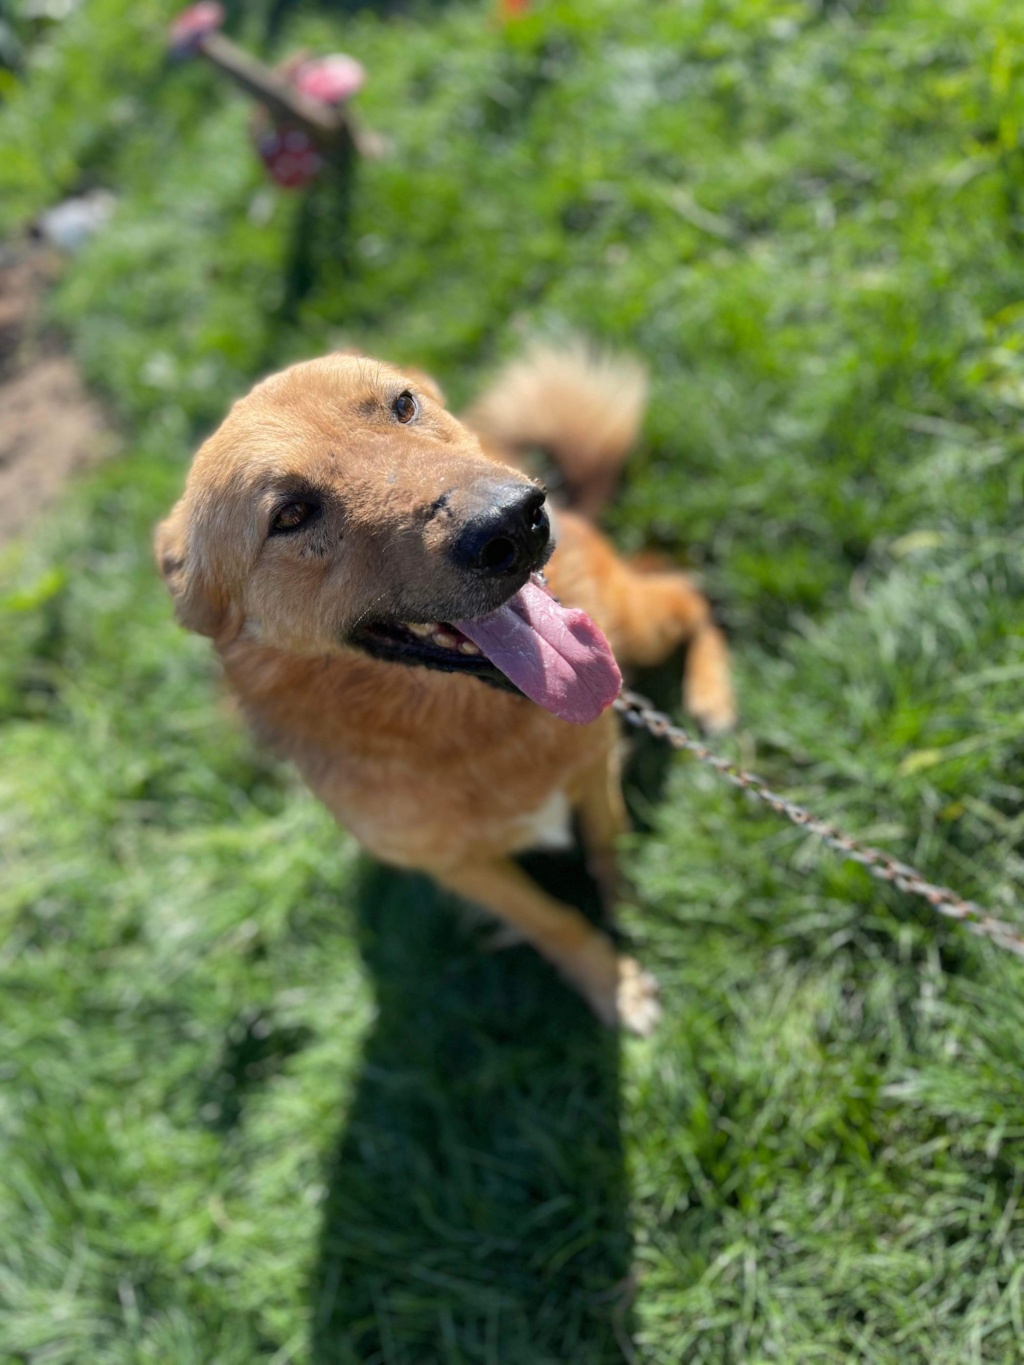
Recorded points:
(395, 616)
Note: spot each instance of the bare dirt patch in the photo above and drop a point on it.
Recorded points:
(49, 426)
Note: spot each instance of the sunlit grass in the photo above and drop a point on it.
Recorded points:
(259, 1102)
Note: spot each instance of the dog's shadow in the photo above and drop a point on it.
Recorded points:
(477, 1204)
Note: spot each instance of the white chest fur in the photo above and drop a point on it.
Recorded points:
(550, 825)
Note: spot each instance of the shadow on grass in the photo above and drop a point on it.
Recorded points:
(477, 1206)
(477, 1203)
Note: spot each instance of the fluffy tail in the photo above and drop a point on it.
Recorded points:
(579, 407)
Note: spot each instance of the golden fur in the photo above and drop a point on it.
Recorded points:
(430, 770)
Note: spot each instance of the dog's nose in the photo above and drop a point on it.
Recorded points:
(510, 535)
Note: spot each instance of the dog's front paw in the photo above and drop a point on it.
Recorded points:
(617, 988)
(636, 1000)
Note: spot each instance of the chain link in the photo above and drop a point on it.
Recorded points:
(639, 712)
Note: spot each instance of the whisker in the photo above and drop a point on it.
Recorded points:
(366, 611)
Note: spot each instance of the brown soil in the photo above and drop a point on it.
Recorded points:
(49, 427)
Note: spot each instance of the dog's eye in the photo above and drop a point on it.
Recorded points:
(292, 516)
(405, 407)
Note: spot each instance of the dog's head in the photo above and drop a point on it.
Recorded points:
(339, 505)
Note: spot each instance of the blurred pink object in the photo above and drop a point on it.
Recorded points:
(332, 79)
(193, 25)
(300, 124)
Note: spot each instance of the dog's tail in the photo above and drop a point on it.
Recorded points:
(580, 408)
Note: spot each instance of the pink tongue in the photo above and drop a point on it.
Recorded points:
(557, 656)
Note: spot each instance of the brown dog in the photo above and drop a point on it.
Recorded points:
(330, 534)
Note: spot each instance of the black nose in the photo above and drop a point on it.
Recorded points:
(510, 533)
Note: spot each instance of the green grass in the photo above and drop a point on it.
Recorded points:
(261, 1101)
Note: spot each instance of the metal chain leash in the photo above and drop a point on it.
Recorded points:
(639, 712)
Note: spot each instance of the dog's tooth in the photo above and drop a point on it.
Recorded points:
(445, 640)
(422, 631)
(468, 647)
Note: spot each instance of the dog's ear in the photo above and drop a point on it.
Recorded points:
(429, 386)
(197, 604)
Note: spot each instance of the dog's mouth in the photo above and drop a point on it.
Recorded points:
(554, 655)
(435, 644)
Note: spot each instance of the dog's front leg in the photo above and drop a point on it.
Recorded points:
(616, 987)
